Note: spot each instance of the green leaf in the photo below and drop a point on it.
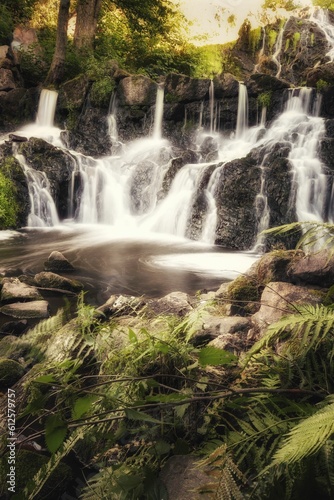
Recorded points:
(45, 379)
(55, 432)
(132, 337)
(139, 415)
(162, 347)
(82, 405)
(213, 356)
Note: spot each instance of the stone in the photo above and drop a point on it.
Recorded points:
(137, 90)
(121, 305)
(7, 81)
(274, 266)
(14, 327)
(14, 290)
(181, 88)
(17, 138)
(35, 309)
(58, 262)
(182, 478)
(3, 51)
(277, 300)
(53, 280)
(221, 327)
(10, 372)
(173, 303)
(234, 343)
(221, 293)
(313, 269)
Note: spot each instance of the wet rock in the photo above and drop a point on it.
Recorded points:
(137, 90)
(10, 372)
(14, 327)
(174, 167)
(52, 280)
(173, 303)
(141, 191)
(225, 85)
(237, 223)
(72, 94)
(3, 51)
(17, 138)
(58, 262)
(12, 272)
(313, 269)
(182, 478)
(277, 299)
(14, 290)
(274, 266)
(35, 309)
(181, 88)
(57, 164)
(7, 81)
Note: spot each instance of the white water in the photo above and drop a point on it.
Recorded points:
(158, 113)
(278, 49)
(212, 105)
(242, 117)
(320, 18)
(46, 108)
(260, 54)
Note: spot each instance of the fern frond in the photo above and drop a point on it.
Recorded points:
(227, 475)
(307, 437)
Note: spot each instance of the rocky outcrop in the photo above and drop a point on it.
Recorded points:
(57, 164)
(38, 309)
(14, 290)
(237, 222)
(54, 281)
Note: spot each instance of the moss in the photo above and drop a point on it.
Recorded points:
(321, 85)
(264, 99)
(287, 44)
(171, 98)
(243, 288)
(9, 207)
(27, 464)
(272, 37)
(10, 372)
(101, 91)
(296, 38)
(312, 39)
(254, 39)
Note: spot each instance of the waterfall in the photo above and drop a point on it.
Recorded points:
(277, 49)
(43, 211)
(158, 113)
(321, 19)
(111, 119)
(46, 108)
(257, 66)
(242, 117)
(212, 105)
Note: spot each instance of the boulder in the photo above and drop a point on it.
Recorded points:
(3, 51)
(72, 94)
(7, 81)
(58, 262)
(14, 290)
(222, 327)
(274, 266)
(35, 309)
(121, 305)
(237, 222)
(232, 342)
(52, 280)
(10, 372)
(174, 303)
(225, 85)
(181, 88)
(313, 269)
(174, 166)
(137, 90)
(277, 301)
(14, 327)
(183, 478)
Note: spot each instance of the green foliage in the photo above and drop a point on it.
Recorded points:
(322, 85)
(255, 36)
(324, 4)
(6, 25)
(32, 65)
(264, 99)
(296, 38)
(8, 202)
(272, 37)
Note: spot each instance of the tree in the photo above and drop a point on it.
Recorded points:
(56, 71)
(85, 28)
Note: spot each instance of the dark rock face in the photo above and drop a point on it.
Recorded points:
(174, 166)
(58, 166)
(238, 183)
(181, 88)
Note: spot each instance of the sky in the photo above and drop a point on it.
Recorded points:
(202, 14)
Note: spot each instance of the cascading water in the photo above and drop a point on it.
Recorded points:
(242, 117)
(278, 49)
(257, 66)
(158, 113)
(321, 18)
(212, 105)
(46, 108)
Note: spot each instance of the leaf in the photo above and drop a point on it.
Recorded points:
(132, 337)
(55, 432)
(45, 379)
(156, 490)
(213, 356)
(82, 405)
(139, 415)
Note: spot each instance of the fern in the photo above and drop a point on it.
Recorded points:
(307, 437)
(225, 475)
(313, 233)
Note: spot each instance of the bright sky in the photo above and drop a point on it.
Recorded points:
(202, 14)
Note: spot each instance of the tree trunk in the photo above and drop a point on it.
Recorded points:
(85, 27)
(57, 68)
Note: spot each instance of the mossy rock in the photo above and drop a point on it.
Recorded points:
(27, 463)
(10, 372)
(244, 294)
